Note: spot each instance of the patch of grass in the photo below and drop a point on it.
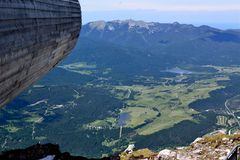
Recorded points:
(79, 65)
(171, 101)
(161, 106)
(234, 103)
(107, 71)
(139, 115)
(139, 154)
(83, 72)
(11, 128)
(81, 68)
(226, 70)
(108, 122)
(40, 138)
(215, 140)
(168, 119)
(109, 143)
(34, 119)
(222, 120)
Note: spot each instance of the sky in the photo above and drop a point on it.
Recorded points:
(223, 14)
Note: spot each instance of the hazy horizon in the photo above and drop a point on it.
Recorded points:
(217, 26)
(217, 13)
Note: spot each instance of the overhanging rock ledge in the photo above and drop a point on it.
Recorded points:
(35, 35)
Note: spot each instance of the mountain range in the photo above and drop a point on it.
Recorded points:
(141, 45)
(167, 84)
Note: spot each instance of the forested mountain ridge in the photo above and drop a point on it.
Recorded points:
(173, 42)
(166, 84)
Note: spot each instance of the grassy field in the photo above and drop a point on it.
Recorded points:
(11, 128)
(164, 103)
(234, 103)
(84, 68)
(80, 65)
(99, 124)
(226, 70)
(171, 101)
(154, 108)
(81, 68)
(90, 112)
(139, 115)
(143, 153)
(222, 121)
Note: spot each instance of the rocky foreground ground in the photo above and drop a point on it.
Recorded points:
(211, 147)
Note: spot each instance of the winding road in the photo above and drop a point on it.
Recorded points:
(231, 113)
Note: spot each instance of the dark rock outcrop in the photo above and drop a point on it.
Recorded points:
(34, 36)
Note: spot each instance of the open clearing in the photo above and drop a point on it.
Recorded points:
(154, 108)
(171, 101)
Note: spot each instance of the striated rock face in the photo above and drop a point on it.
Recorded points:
(34, 36)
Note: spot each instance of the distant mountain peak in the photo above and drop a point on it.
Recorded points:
(133, 23)
(176, 23)
(102, 25)
(152, 27)
(99, 25)
(149, 33)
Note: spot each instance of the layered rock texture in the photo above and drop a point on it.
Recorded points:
(34, 36)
